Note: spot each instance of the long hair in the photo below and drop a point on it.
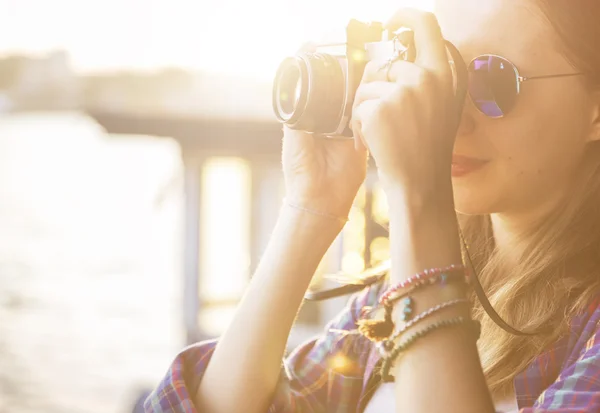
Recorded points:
(555, 278)
(558, 273)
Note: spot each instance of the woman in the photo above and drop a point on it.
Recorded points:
(526, 187)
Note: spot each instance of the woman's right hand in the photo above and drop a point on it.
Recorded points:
(322, 174)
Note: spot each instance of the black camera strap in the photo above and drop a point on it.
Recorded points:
(461, 89)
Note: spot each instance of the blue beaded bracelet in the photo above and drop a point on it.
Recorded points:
(406, 344)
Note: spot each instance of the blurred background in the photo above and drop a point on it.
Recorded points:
(139, 183)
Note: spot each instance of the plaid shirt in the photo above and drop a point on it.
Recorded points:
(565, 379)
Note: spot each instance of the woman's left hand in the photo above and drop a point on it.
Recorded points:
(403, 114)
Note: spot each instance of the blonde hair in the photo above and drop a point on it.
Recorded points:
(555, 278)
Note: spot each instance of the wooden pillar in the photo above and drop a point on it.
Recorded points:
(192, 248)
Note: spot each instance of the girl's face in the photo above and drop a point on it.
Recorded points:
(533, 151)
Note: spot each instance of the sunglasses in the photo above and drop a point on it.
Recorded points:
(495, 83)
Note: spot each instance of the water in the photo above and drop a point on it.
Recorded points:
(90, 264)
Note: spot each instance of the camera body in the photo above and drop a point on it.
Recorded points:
(314, 90)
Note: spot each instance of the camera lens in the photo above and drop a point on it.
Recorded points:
(288, 89)
(309, 92)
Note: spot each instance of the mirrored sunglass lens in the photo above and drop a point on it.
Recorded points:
(493, 85)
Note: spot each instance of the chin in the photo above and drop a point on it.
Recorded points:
(469, 201)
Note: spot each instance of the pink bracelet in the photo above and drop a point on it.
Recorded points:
(425, 277)
(380, 330)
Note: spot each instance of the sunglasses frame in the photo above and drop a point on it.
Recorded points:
(520, 79)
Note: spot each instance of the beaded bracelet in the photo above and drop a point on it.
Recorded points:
(386, 347)
(422, 278)
(405, 345)
(380, 330)
(441, 279)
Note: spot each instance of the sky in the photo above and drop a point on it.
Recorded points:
(242, 37)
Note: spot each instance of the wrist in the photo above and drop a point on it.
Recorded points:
(328, 204)
(418, 210)
(424, 198)
(310, 224)
(297, 244)
(424, 234)
(315, 212)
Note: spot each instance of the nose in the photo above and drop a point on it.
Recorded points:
(467, 121)
(467, 124)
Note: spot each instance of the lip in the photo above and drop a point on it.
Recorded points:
(464, 165)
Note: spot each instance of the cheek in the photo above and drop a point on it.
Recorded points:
(548, 132)
(540, 145)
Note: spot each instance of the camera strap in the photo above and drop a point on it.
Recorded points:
(460, 79)
(461, 87)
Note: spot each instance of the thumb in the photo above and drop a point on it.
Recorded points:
(359, 141)
(295, 141)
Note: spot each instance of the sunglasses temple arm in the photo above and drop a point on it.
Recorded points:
(525, 78)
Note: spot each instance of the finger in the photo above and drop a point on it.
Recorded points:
(356, 126)
(294, 141)
(404, 73)
(359, 144)
(430, 45)
(383, 71)
(371, 90)
(359, 115)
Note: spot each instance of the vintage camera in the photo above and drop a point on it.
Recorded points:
(314, 90)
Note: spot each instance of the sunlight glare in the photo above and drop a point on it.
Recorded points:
(235, 37)
(268, 37)
(225, 229)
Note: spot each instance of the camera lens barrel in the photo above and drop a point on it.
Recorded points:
(310, 92)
